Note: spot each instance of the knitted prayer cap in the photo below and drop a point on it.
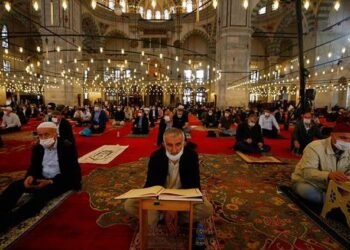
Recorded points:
(47, 125)
(342, 125)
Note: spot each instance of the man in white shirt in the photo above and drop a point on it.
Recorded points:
(10, 121)
(269, 125)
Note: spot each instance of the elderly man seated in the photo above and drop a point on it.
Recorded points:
(54, 169)
(249, 138)
(322, 161)
(10, 121)
(173, 166)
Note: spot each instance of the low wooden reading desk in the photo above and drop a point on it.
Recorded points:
(163, 205)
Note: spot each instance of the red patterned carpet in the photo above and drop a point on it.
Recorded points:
(73, 224)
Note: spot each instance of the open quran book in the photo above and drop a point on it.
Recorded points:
(160, 193)
(259, 160)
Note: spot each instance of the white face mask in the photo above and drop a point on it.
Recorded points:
(251, 124)
(174, 157)
(167, 118)
(46, 143)
(267, 114)
(342, 145)
(210, 113)
(54, 119)
(96, 108)
(227, 114)
(179, 116)
(139, 114)
(307, 121)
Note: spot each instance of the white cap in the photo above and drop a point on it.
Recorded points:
(47, 125)
(7, 108)
(180, 107)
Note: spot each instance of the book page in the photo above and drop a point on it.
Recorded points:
(192, 192)
(141, 192)
(178, 198)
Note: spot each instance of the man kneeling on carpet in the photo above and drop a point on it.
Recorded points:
(54, 170)
(173, 166)
(322, 161)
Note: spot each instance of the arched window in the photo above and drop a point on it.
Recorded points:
(149, 14)
(122, 4)
(262, 11)
(201, 95)
(141, 11)
(189, 6)
(5, 37)
(111, 4)
(166, 14)
(158, 14)
(187, 98)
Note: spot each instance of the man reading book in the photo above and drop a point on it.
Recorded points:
(173, 166)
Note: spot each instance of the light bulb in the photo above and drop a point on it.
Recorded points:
(184, 4)
(343, 50)
(122, 51)
(79, 49)
(142, 53)
(93, 4)
(7, 5)
(58, 49)
(336, 5)
(330, 54)
(35, 5)
(64, 4)
(276, 4)
(306, 4)
(20, 49)
(154, 3)
(38, 48)
(245, 4)
(101, 50)
(215, 3)
(161, 56)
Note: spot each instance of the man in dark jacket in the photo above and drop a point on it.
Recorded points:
(140, 125)
(54, 170)
(249, 138)
(304, 132)
(99, 120)
(173, 166)
(65, 130)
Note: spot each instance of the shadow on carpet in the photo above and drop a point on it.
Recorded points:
(249, 213)
(334, 223)
(15, 233)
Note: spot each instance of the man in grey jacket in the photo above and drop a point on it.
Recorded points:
(322, 161)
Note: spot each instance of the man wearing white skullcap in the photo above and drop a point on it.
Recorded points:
(54, 169)
(10, 121)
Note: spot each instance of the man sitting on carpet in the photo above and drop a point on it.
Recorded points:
(269, 125)
(141, 124)
(10, 121)
(322, 161)
(173, 166)
(99, 120)
(54, 170)
(304, 132)
(225, 124)
(249, 138)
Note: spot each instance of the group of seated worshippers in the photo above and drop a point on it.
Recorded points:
(53, 170)
(322, 161)
(82, 116)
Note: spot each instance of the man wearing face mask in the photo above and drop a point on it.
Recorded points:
(304, 132)
(119, 116)
(64, 128)
(165, 123)
(210, 120)
(269, 125)
(173, 166)
(225, 124)
(54, 169)
(10, 121)
(180, 119)
(249, 138)
(140, 125)
(322, 161)
(98, 120)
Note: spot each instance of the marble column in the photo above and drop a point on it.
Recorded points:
(62, 85)
(232, 52)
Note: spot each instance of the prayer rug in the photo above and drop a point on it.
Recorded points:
(15, 233)
(334, 223)
(249, 213)
(138, 135)
(14, 147)
(103, 155)
(19, 136)
(264, 159)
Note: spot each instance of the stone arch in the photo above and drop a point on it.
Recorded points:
(323, 11)
(198, 32)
